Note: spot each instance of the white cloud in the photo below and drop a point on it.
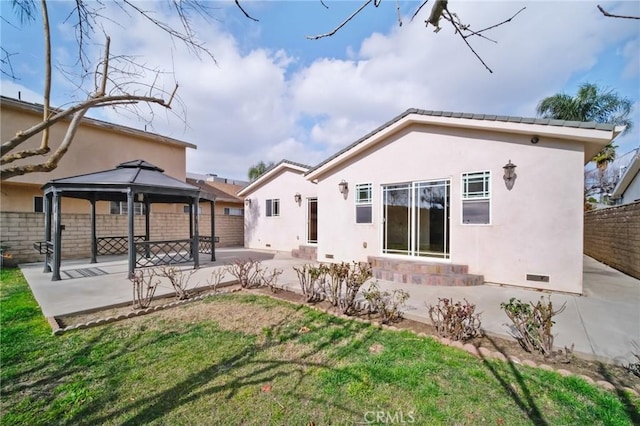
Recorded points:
(263, 104)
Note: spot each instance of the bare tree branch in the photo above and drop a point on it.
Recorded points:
(52, 162)
(245, 12)
(424, 3)
(5, 60)
(44, 144)
(610, 15)
(336, 29)
(459, 31)
(323, 3)
(494, 26)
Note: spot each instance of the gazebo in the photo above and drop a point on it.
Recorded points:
(133, 181)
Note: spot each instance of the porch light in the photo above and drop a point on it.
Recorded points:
(343, 187)
(140, 197)
(509, 175)
(247, 201)
(297, 198)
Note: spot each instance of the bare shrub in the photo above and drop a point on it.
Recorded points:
(144, 287)
(386, 303)
(311, 279)
(532, 325)
(359, 273)
(179, 280)
(270, 278)
(216, 278)
(332, 287)
(634, 367)
(246, 271)
(456, 321)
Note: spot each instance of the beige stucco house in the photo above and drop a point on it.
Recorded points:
(440, 198)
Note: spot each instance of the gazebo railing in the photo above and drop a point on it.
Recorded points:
(205, 245)
(116, 244)
(153, 253)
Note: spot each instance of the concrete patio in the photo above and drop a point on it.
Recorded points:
(603, 323)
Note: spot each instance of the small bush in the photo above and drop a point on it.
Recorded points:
(311, 279)
(216, 278)
(387, 304)
(634, 367)
(532, 324)
(179, 280)
(246, 271)
(456, 321)
(270, 279)
(144, 287)
(332, 287)
(359, 273)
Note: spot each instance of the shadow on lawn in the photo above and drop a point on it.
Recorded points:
(525, 403)
(195, 386)
(629, 407)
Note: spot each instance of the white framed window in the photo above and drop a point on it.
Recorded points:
(121, 207)
(38, 205)
(364, 201)
(476, 198)
(273, 207)
(231, 211)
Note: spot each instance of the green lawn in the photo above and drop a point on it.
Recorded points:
(244, 359)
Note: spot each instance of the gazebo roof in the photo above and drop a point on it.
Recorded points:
(112, 185)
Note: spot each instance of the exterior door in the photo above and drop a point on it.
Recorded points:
(416, 219)
(312, 220)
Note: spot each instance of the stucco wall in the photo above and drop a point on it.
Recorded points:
(287, 231)
(536, 227)
(21, 230)
(93, 149)
(612, 236)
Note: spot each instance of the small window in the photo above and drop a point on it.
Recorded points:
(364, 199)
(231, 211)
(273, 207)
(121, 207)
(186, 209)
(38, 205)
(476, 198)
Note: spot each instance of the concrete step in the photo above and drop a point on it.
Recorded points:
(305, 252)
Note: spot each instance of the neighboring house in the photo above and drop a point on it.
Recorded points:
(628, 188)
(229, 209)
(440, 198)
(97, 146)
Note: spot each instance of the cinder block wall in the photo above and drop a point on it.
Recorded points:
(20, 230)
(612, 236)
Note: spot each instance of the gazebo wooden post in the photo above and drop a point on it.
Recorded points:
(94, 237)
(47, 231)
(130, 242)
(195, 244)
(57, 236)
(213, 230)
(147, 226)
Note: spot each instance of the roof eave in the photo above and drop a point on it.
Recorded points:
(629, 174)
(595, 137)
(265, 177)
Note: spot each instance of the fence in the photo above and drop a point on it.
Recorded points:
(612, 236)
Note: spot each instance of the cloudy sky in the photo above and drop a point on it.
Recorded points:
(273, 94)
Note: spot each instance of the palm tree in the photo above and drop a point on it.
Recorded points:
(591, 103)
(256, 170)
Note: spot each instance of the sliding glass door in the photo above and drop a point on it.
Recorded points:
(416, 219)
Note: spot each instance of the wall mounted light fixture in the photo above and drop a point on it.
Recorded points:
(343, 187)
(509, 175)
(247, 201)
(297, 198)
